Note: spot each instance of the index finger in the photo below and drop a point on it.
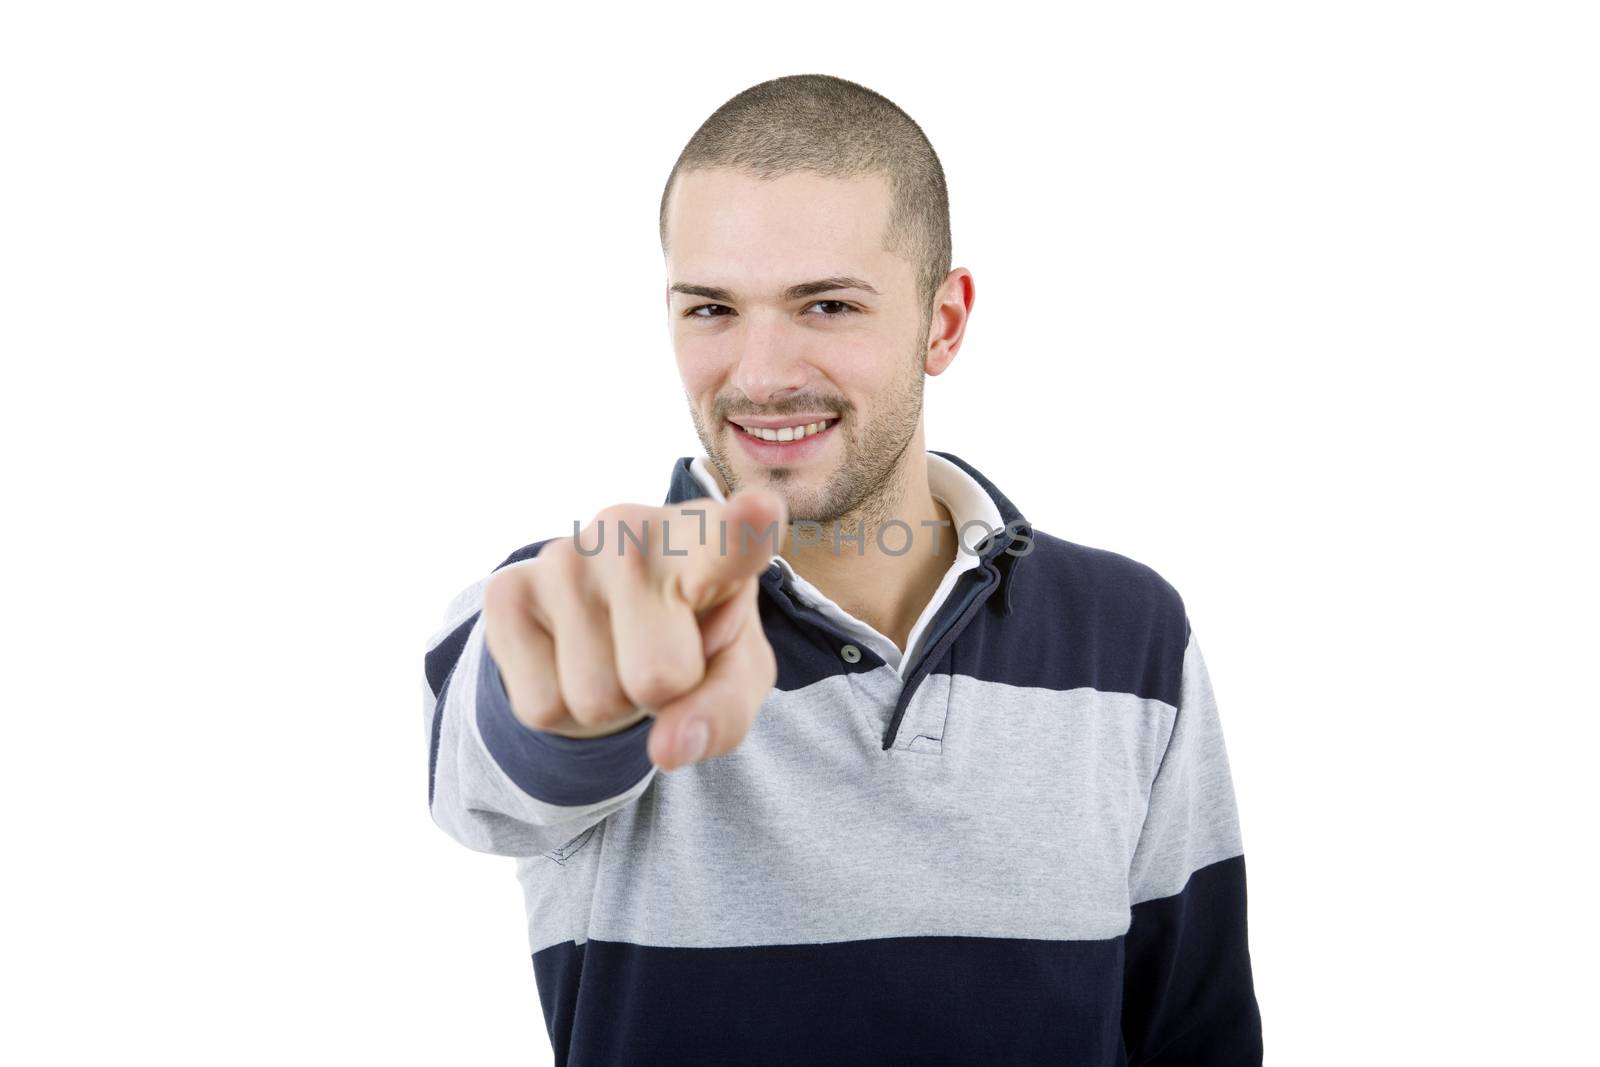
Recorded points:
(742, 536)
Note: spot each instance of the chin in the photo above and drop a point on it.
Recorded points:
(785, 481)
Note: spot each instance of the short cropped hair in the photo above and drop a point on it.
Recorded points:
(824, 124)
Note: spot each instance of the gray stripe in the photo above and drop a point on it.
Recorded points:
(1008, 812)
(1193, 819)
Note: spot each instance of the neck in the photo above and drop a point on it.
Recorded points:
(886, 590)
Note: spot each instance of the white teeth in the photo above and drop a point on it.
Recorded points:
(788, 433)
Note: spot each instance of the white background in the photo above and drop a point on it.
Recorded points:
(313, 312)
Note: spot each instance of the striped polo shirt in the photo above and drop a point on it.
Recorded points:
(1015, 844)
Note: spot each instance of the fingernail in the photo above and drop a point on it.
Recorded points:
(692, 743)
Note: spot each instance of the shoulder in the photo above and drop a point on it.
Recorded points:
(1098, 579)
(1119, 619)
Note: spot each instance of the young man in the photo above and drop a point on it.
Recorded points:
(884, 797)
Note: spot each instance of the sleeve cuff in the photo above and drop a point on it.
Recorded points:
(569, 771)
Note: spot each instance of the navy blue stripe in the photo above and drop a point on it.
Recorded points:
(1190, 995)
(557, 972)
(900, 1000)
(684, 485)
(444, 656)
(1082, 616)
(549, 767)
(1068, 616)
(441, 658)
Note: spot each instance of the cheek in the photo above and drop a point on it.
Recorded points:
(866, 373)
(854, 365)
(701, 366)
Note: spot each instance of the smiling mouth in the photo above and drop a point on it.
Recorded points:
(781, 434)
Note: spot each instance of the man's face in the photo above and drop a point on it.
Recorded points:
(834, 372)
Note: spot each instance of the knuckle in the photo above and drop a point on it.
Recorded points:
(560, 557)
(594, 699)
(537, 711)
(609, 514)
(559, 573)
(654, 680)
(506, 593)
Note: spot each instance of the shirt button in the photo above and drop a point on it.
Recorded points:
(851, 654)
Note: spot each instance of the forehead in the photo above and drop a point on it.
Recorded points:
(727, 228)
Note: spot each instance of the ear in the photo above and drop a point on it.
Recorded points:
(952, 308)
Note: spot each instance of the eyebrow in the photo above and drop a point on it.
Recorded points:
(794, 292)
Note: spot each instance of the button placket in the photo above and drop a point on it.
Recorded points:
(922, 729)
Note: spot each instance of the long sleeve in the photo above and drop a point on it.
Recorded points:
(1189, 995)
(497, 786)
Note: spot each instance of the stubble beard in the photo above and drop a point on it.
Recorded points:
(866, 488)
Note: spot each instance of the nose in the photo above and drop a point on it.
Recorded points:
(768, 368)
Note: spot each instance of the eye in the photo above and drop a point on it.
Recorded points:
(715, 311)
